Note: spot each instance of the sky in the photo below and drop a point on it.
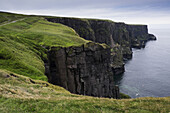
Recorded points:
(148, 12)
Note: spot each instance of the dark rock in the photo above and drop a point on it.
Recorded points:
(88, 72)
(118, 70)
(11, 74)
(151, 37)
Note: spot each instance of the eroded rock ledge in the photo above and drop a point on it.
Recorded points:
(83, 70)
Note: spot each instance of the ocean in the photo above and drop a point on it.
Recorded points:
(147, 74)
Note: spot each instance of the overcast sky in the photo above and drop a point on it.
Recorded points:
(128, 11)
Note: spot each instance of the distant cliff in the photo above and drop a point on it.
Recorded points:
(139, 35)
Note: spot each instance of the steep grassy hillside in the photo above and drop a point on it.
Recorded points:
(24, 44)
(23, 94)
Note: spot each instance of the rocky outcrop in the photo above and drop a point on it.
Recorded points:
(151, 37)
(139, 35)
(83, 70)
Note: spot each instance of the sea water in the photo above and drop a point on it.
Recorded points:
(147, 74)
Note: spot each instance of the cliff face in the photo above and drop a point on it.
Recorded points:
(109, 32)
(139, 35)
(89, 69)
(119, 36)
(101, 31)
(83, 70)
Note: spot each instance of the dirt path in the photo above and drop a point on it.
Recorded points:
(12, 22)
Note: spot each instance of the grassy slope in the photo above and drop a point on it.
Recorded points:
(9, 17)
(22, 94)
(22, 44)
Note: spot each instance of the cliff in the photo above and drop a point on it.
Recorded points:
(84, 70)
(35, 47)
(120, 37)
(107, 31)
(139, 35)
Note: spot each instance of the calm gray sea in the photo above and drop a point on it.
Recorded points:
(148, 73)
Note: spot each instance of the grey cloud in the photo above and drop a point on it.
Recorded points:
(69, 4)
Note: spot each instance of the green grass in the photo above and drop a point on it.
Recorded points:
(19, 58)
(23, 94)
(3, 19)
(54, 34)
(23, 44)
